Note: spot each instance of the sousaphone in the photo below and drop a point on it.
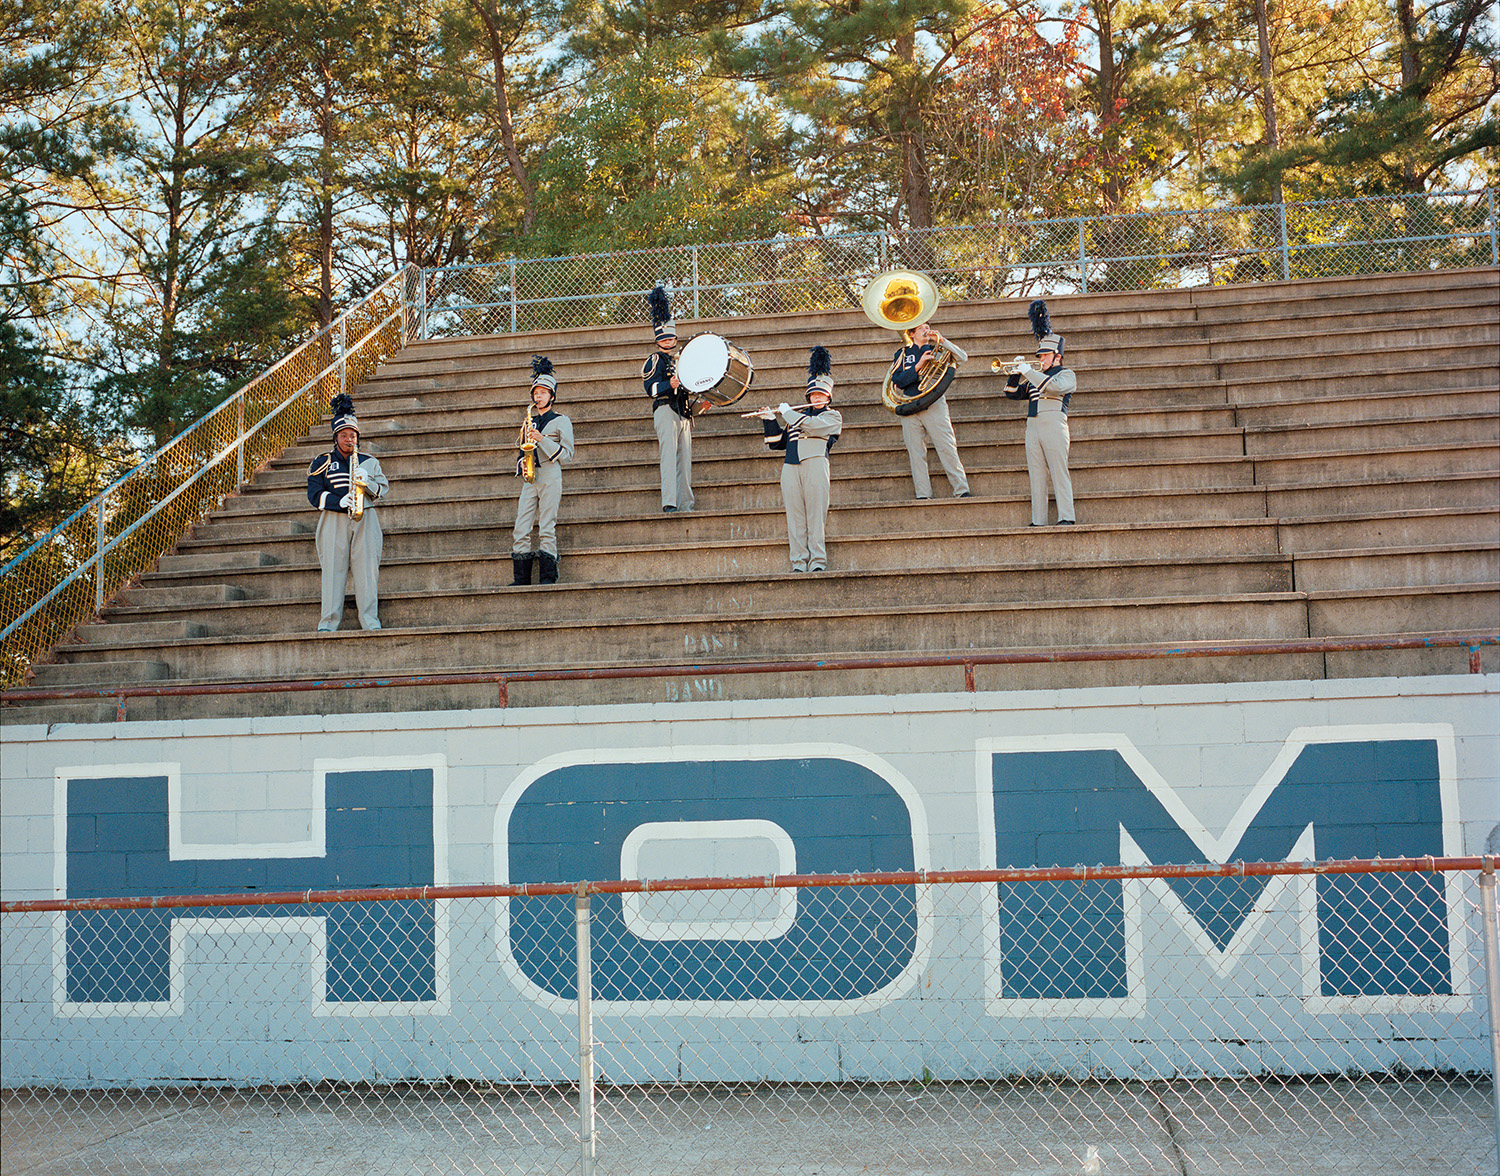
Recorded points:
(902, 300)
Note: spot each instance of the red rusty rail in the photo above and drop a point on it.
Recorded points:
(1482, 863)
(968, 661)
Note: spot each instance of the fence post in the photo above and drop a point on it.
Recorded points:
(422, 303)
(1492, 985)
(696, 314)
(884, 253)
(586, 1138)
(240, 448)
(1494, 233)
(343, 351)
(512, 295)
(1286, 253)
(99, 558)
(1083, 256)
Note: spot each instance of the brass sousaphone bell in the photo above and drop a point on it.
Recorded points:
(902, 300)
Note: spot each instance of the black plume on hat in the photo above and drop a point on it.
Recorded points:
(661, 314)
(661, 308)
(541, 365)
(820, 362)
(1041, 321)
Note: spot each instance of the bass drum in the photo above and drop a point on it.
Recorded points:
(714, 369)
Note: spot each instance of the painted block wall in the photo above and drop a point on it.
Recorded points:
(1129, 980)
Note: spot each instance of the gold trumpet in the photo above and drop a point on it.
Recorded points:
(1011, 369)
(760, 412)
(528, 448)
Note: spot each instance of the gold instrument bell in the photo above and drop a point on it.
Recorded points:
(899, 300)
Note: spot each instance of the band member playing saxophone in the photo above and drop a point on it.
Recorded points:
(807, 438)
(933, 422)
(348, 539)
(670, 410)
(551, 435)
(1048, 387)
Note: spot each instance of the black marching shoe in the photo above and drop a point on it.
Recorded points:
(522, 565)
(549, 568)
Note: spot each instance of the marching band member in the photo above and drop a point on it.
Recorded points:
(807, 437)
(669, 408)
(1049, 388)
(552, 435)
(347, 543)
(932, 422)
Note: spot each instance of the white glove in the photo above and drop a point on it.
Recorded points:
(767, 414)
(784, 409)
(344, 501)
(1018, 363)
(361, 479)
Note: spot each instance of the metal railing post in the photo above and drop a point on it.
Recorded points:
(240, 470)
(1492, 985)
(422, 303)
(343, 351)
(512, 295)
(586, 1134)
(99, 558)
(696, 314)
(885, 263)
(1083, 255)
(1286, 253)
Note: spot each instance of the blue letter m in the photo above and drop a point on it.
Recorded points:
(377, 832)
(1098, 801)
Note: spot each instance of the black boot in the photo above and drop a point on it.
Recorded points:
(522, 564)
(549, 568)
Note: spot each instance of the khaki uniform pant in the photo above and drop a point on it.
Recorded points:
(538, 508)
(674, 434)
(804, 490)
(933, 423)
(345, 546)
(1047, 454)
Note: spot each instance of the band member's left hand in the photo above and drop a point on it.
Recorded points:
(784, 409)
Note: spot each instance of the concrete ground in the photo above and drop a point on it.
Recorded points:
(1433, 1124)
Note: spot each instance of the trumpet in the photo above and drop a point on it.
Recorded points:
(761, 412)
(528, 448)
(999, 367)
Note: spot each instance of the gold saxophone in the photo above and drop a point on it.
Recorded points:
(528, 448)
(356, 491)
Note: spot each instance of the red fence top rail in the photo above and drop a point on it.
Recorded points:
(1485, 863)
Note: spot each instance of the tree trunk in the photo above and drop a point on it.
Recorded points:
(513, 159)
(1268, 94)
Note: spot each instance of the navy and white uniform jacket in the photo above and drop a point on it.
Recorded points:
(656, 377)
(804, 436)
(328, 480)
(1057, 384)
(904, 362)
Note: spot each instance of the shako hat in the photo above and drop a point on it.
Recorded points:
(1041, 327)
(541, 374)
(820, 372)
(343, 413)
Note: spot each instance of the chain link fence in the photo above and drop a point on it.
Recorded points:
(65, 578)
(1140, 251)
(1266, 1018)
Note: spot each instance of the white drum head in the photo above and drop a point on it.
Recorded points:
(703, 362)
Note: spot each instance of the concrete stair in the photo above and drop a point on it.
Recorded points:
(1275, 462)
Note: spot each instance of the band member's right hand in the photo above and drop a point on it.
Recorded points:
(674, 383)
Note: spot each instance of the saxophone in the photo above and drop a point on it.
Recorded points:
(356, 491)
(528, 448)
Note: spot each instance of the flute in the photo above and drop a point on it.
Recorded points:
(761, 412)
